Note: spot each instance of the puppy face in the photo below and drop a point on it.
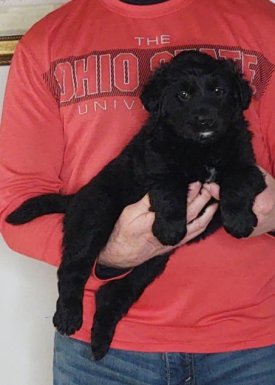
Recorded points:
(196, 96)
(199, 105)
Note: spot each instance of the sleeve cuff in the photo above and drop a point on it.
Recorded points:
(106, 273)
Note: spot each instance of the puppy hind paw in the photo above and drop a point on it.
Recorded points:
(99, 351)
(100, 345)
(68, 320)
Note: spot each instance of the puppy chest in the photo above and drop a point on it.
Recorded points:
(210, 174)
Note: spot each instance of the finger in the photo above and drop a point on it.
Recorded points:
(144, 203)
(193, 190)
(213, 190)
(199, 202)
(199, 225)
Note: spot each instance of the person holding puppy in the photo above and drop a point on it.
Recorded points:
(71, 106)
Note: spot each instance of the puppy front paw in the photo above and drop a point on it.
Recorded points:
(68, 319)
(239, 225)
(169, 233)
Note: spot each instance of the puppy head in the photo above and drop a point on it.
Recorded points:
(197, 96)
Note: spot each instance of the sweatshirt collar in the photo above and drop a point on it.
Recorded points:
(145, 11)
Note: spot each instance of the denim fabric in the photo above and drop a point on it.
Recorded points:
(73, 365)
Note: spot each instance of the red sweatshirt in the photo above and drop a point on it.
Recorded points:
(72, 104)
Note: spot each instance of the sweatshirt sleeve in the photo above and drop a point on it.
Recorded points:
(31, 148)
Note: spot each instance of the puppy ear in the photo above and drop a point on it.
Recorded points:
(152, 91)
(245, 92)
(243, 88)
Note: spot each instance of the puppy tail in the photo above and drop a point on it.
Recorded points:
(41, 205)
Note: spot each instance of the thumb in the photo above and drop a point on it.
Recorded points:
(213, 190)
(140, 207)
(141, 210)
(144, 203)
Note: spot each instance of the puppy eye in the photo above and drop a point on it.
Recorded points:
(184, 95)
(219, 91)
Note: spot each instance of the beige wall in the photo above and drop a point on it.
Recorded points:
(27, 300)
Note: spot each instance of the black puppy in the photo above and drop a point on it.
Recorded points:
(196, 131)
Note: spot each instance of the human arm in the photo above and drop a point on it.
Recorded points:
(31, 145)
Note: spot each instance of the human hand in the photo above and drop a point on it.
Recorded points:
(132, 241)
(264, 207)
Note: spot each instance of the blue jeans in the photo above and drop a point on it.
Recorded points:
(73, 365)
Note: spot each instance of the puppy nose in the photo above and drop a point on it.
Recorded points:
(206, 121)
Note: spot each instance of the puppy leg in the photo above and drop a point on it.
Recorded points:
(114, 299)
(169, 202)
(73, 273)
(238, 191)
(87, 227)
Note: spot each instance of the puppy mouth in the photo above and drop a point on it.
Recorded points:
(206, 134)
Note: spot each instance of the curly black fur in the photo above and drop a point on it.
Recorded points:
(196, 131)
